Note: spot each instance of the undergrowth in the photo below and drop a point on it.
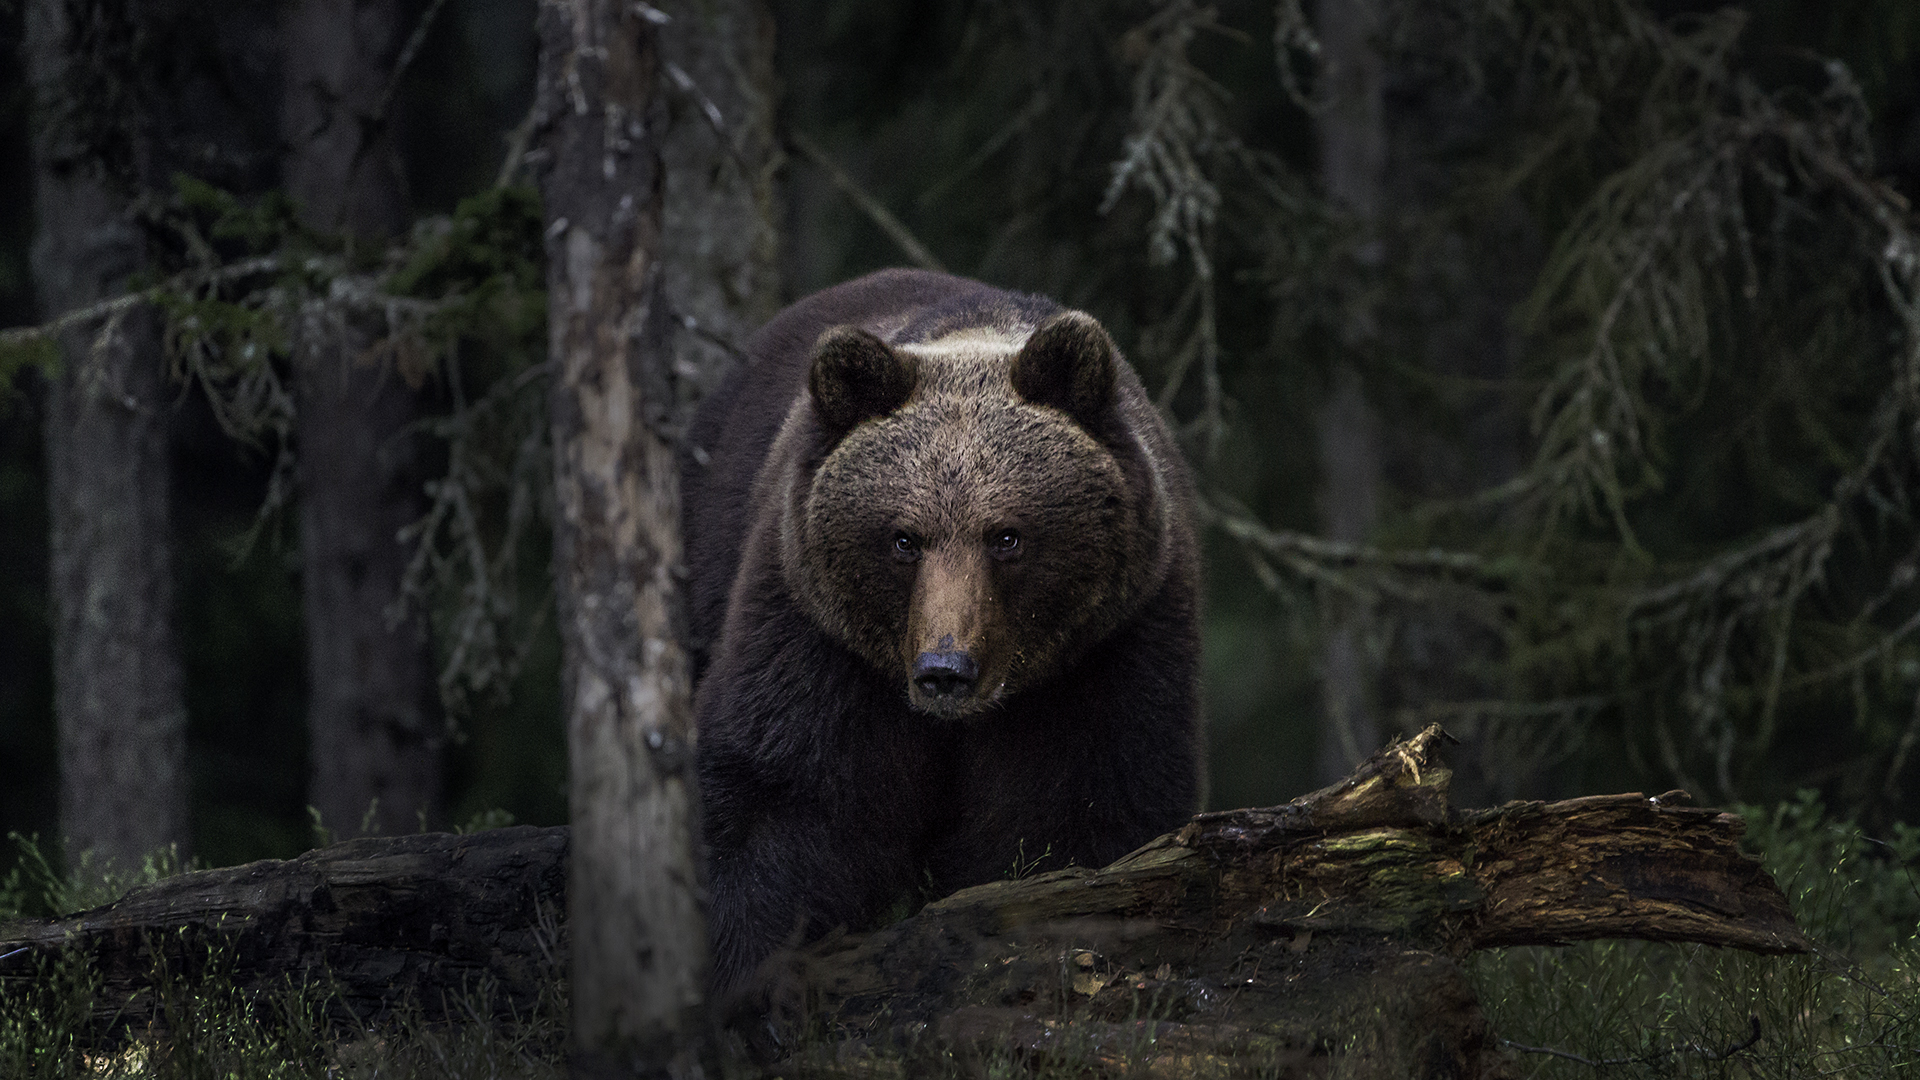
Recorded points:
(1640, 1009)
(208, 1028)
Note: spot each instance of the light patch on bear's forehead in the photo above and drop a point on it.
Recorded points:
(966, 362)
(985, 340)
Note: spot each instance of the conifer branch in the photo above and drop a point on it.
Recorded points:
(186, 281)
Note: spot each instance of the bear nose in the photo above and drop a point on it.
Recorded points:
(945, 674)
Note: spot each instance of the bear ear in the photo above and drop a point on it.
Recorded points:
(1069, 364)
(856, 376)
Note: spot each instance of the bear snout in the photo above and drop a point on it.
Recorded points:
(948, 674)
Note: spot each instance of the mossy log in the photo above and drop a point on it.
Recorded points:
(1321, 935)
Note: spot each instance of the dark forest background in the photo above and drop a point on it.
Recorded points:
(991, 131)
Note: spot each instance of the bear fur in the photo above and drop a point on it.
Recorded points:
(943, 593)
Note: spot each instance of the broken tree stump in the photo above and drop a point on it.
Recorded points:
(1320, 935)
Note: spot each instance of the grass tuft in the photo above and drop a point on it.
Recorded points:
(34, 887)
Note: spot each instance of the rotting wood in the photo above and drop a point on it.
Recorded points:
(1321, 934)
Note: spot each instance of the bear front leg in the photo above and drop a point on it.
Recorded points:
(788, 863)
(794, 880)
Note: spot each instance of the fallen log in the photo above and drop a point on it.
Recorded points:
(437, 919)
(1320, 935)
(1282, 941)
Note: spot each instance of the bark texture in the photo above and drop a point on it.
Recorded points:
(118, 685)
(375, 732)
(1320, 937)
(655, 150)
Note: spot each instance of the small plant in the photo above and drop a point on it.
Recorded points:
(1851, 892)
(483, 820)
(35, 888)
(44, 1019)
(1024, 865)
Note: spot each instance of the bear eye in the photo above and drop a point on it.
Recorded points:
(905, 547)
(1006, 544)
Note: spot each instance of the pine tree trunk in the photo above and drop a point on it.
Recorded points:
(1435, 292)
(341, 167)
(718, 246)
(373, 719)
(1430, 291)
(118, 686)
(1353, 157)
(656, 152)
(1464, 259)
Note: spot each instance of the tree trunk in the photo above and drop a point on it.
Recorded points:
(1320, 937)
(374, 728)
(1431, 283)
(719, 247)
(118, 687)
(1464, 257)
(1353, 158)
(638, 307)
(341, 167)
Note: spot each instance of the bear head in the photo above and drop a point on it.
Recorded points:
(977, 511)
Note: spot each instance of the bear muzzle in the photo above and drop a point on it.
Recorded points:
(956, 662)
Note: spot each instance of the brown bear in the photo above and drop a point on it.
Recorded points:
(943, 570)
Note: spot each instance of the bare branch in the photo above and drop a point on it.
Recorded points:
(868, 205)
